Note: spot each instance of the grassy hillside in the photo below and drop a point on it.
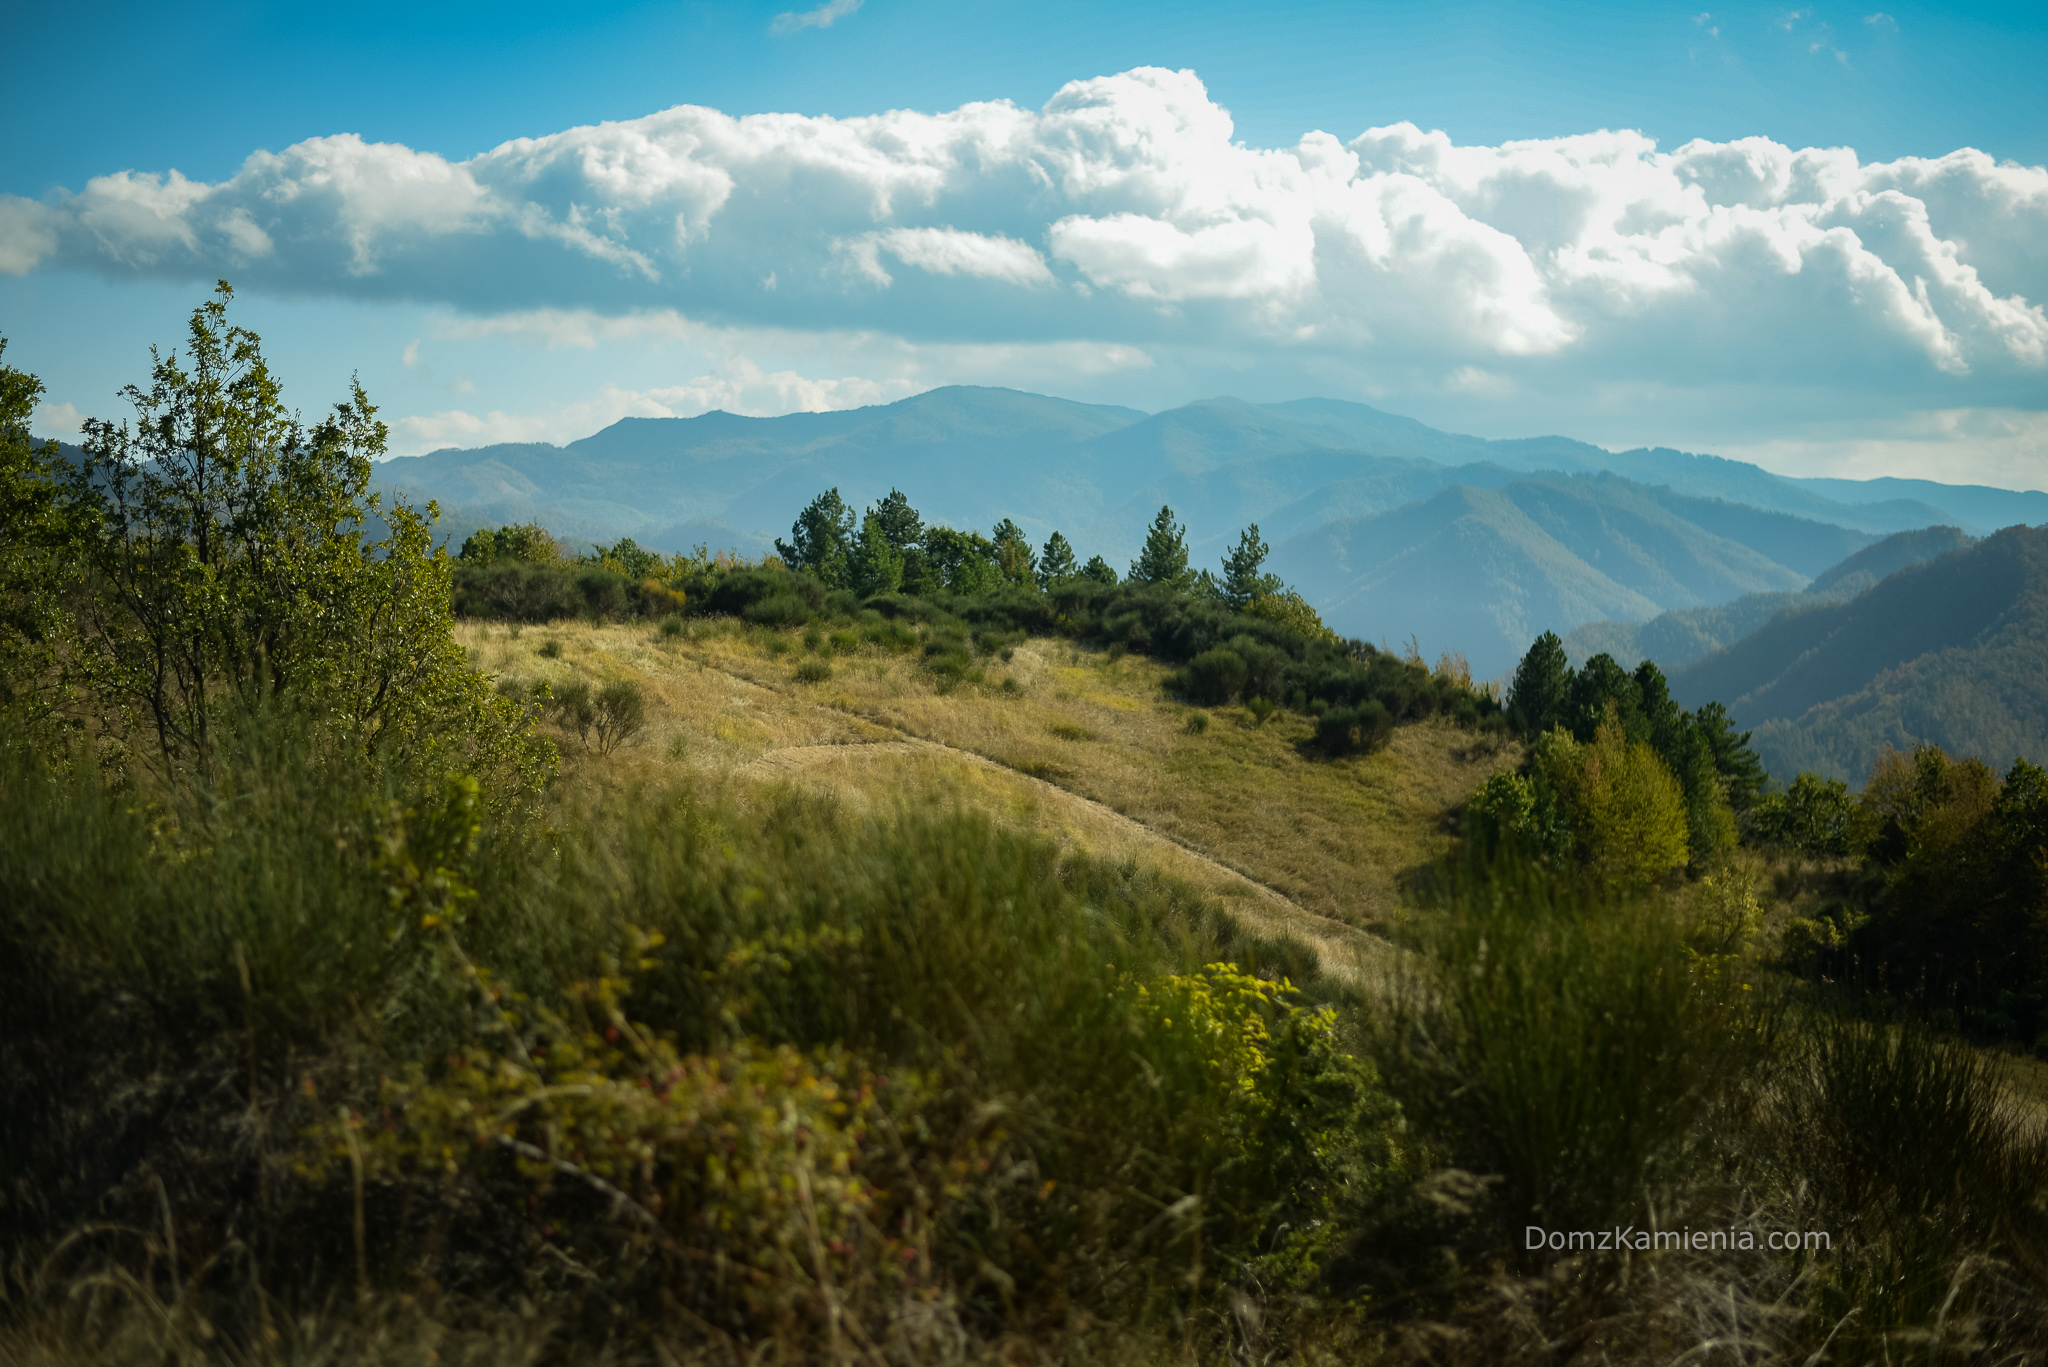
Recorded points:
(1949, 652)
(1079, 744)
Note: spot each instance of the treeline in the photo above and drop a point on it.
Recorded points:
(1236, 634)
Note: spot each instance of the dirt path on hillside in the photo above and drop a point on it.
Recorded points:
(1353, 954)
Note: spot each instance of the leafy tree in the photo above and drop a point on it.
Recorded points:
(1291, 610)
(1624, 809)
(1099, 570)
(1164, 559)
(1813, 816)
(1541, 690)
(1013, 553)
(39, 532)
(964, 562)
(232, 571)
(900, 522)
(820, 539)
(529, 542)
(875, 565)
(1243, 583)
(1056, 562)
(625, 557)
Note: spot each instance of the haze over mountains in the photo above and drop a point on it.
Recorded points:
(1390, 527)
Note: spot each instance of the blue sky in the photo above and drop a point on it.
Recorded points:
(1115, 203)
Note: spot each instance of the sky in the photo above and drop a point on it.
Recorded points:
(1815, 237)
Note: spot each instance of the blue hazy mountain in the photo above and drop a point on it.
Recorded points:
(1951, 651)
(1677, 638)
(1371, 513)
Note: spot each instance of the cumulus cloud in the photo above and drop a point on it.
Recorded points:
(1125, 212)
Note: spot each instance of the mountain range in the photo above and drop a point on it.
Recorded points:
(1953, 651)
(1392, 528)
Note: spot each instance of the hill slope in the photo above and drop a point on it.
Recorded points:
(1677, 638)
(1952, 651)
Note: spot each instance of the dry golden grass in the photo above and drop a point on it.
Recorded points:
(1061, 740)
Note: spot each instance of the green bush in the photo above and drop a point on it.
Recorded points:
(1356, 730)
(813, 671)
(1214, 677)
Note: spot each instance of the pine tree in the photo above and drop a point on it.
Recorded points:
(1164, 561)
(1242, 582)
(1013, 553)
(1099, 570)
(900, 522)
(820, 538)
(1056, 561)
(874, 565)
(1541, 692)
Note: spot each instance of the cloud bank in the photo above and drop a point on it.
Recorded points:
(1125, 213)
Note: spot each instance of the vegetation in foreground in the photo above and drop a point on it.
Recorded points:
(353, 1009)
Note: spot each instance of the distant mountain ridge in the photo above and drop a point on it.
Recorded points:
(1588, 533)
(1677, 638)
(1952, 651)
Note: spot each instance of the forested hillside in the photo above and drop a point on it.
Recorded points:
(1951, 653)
(1678, 638)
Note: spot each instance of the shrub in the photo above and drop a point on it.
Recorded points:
(1354, 730)
(574, 709)
(1260, 710)
(813, 671)
(671, 627)
(1214, 677)
(620, 714)
(1198, 723)
(550, 649)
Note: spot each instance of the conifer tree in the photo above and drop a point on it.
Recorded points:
(900, 522)
(1056, 561)
(1541, 691)
(1099, 570)
(1164, 560)
(1243, 583)
(874, 565)
(1013, 553)
(820, 538)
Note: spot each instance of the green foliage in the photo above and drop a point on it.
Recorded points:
(1960, 862)
(1243, 580)
(1570, 1043)
(1013, 555)
(620, 713)
(39, 535)
(529, 543)
(1164, 559)
(1099, 571)
(232, 573)
(821, 539)
(1716, 770)
(1624, 811)
(875, 565)
(1056, 562)
(1539, 696)
(1813, 817)
(1356, 730)
(1214, 677)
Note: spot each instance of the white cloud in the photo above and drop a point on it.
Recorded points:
(824, 16)
(1126, 213)
(58, 420)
